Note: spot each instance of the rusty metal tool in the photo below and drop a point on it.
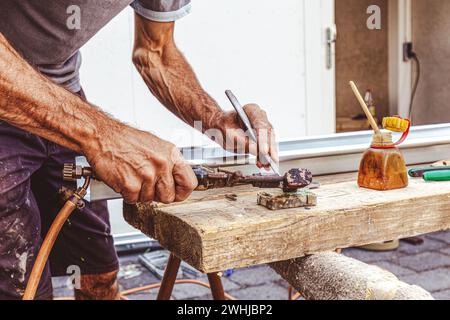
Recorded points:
(303, 198)
(292, 181)
(246, 121)
(295, 184)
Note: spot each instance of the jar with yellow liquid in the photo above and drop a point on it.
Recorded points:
(383, 166)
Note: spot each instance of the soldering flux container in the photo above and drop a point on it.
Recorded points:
(383, 166)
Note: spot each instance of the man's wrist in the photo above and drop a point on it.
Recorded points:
(214, 120)
(96, 134)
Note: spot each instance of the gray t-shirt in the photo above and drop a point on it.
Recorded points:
(49, 33)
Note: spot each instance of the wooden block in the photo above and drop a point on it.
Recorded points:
(213, 233)
(279, 200)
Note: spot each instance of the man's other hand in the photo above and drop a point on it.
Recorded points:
(140, 166)
(233, 135)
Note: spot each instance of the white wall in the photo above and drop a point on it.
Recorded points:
(254, 47)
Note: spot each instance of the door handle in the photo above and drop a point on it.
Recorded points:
(331, 36)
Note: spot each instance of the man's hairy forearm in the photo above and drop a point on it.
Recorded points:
(169, 76)
(33, 103)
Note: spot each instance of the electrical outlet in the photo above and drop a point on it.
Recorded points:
(408, 52)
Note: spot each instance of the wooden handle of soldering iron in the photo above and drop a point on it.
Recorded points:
(46, 248)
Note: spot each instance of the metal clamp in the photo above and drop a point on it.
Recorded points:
(72, 172)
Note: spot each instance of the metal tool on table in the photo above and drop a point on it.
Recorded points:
(295, 184)
(209, 178)
(430, 173)
(246, 121)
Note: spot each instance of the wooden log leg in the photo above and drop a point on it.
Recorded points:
(170, 276)
(332, 276)
(296, 295)
(216, 286)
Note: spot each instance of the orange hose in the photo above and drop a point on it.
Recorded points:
(46, 248)
(124, 294)
(50, 239)
(157, 285)
(139, 289)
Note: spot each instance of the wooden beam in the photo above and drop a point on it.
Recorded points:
(332, 276)
(214, 234)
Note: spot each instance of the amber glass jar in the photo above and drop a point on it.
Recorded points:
(383, 166)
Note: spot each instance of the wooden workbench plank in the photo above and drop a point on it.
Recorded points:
(214, 235)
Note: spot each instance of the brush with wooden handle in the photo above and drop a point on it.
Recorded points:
(361, 101)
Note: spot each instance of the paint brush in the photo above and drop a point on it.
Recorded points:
(361, 101)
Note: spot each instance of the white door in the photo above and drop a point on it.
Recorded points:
(319, 38)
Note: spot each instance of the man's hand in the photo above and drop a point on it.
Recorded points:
(137, 164)
(233, 136)
(171, 79)
(141, 167)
